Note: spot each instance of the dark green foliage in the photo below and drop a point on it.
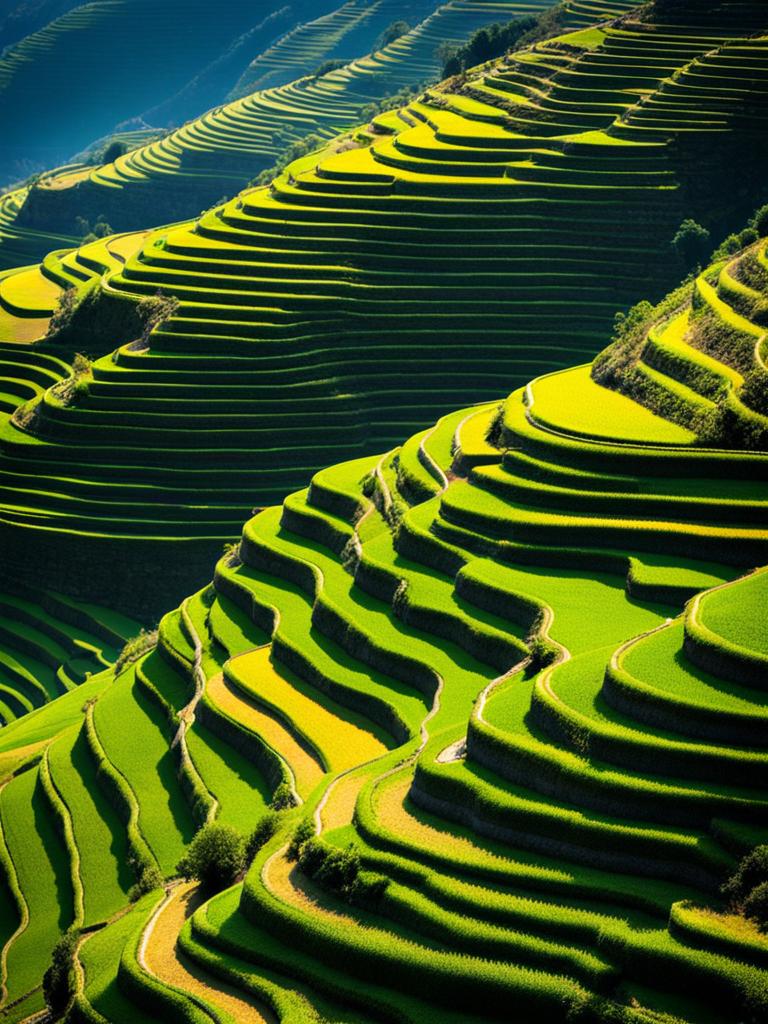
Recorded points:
(495, 40)
(265, 828)
(59, 984)
(340, 871)
(390, 102)
(751, 873)
(293, 152)
(215, 857)
(135, 648)
(390, 34)
(760, 221)
(64, 312)
(304, 831)
(543, 653)
(691, 244)
(327, 66)
(734, 243)
(154, 311)
(113, 151)
(148, 878)
(756, 906)
(283, 798)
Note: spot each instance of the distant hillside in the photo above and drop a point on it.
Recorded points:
(488, 230)
(106, 61)
(220, 152)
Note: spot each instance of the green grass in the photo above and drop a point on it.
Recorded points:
(42, 867)
(738, 614)
(99, 833)
(164, 817)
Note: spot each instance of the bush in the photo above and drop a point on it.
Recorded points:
(149, 878)
(304, 831)
(390, 34)
(495, 40)
(756, 906)
(691, 244)
(215, 857)
(59, 984)
(328, 66)
(266, 827)
(62, 315)
(153, 312)
(760, 221)
(751, 873)
(282, 798)
(135, 648)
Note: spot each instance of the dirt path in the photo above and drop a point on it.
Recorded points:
(161, 957)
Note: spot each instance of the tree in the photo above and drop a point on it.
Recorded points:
(756, 906)
(390, 34)
(215, 857)
(59, 980)
(691, 244)
(751, 873)
(760, 221)
(113, 151)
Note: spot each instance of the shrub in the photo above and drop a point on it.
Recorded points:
(215, 857)
(691, 244)
(266, 827)
(62, 315)
(293, 152)
(153, 312)
(75, 387)
(304, 831)
(149, 878)
(760, 221)
(59, 984)
(751, 873)
(494, 40)
(113, 151)
(328, 66)
(756, 906)
(282, 798)
(390, 34)
(135, 648)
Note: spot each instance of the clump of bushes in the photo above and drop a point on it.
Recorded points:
(215, 858)
(340, 871)
(135, 648)
(148, 877)
(153, 311)
(74, 388)
(495, 40)
(390, 34)
(294, 151)
(747, 888)
(265, 828)
(59, 984)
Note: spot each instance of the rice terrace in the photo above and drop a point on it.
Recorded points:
(384, 512)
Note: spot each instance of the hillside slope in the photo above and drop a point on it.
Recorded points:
(470, 659)
(352, 294)
(219, 152)
(101, 63)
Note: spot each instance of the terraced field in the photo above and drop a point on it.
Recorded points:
(307, 302)
(488, 701)
(218, 153)
(511, 673)
(107, 67)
